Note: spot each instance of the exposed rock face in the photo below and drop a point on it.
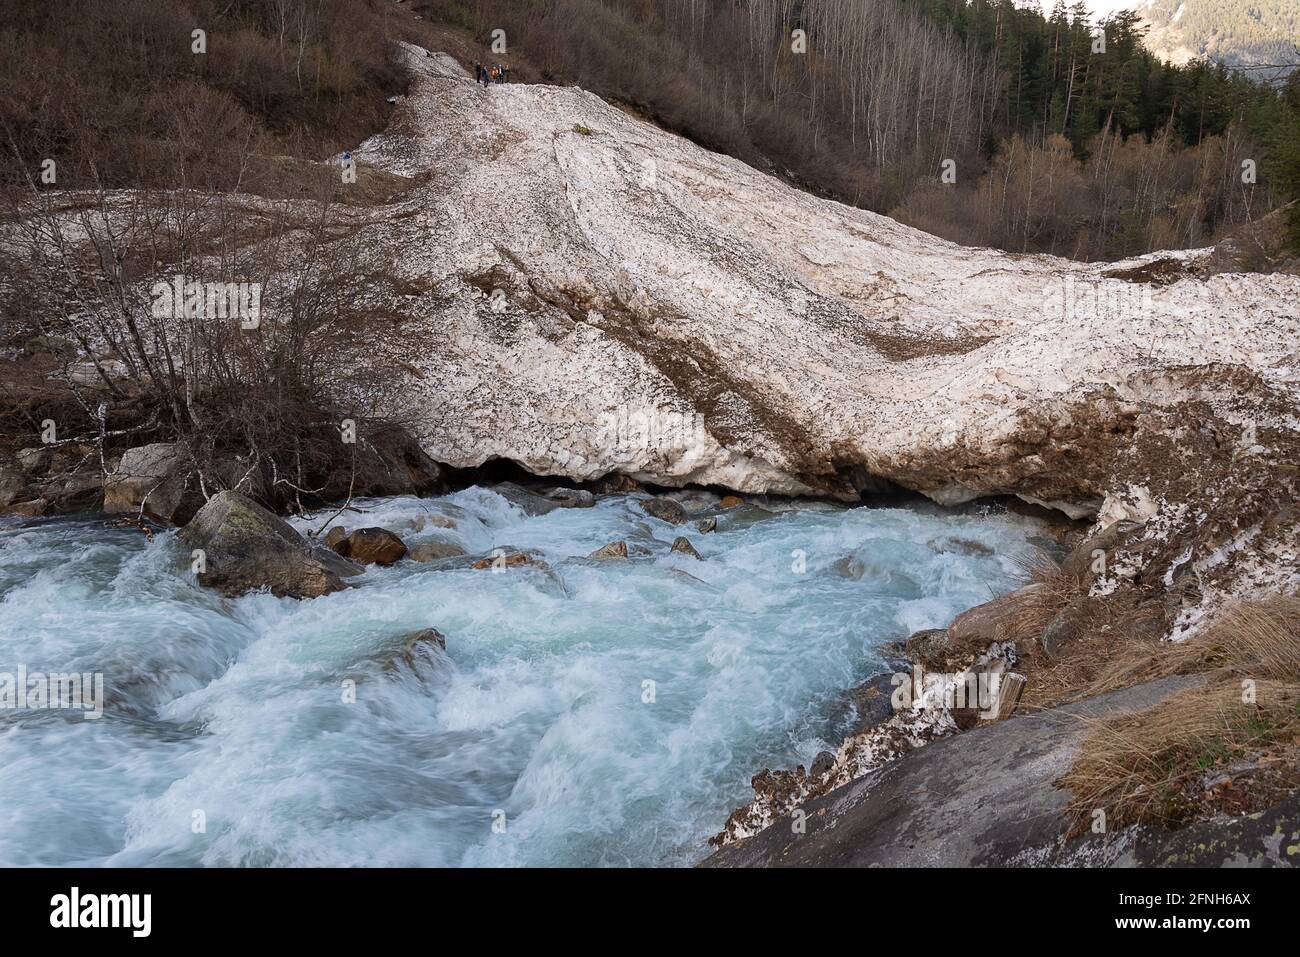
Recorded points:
(984, 798)
(392, 462)
(13, 486)
(246, 547)
(148, 479)
(373, 546)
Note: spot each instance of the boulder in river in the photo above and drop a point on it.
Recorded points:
(434, 551)
(335, 539)
(422, 645)
(664, 509)
(530, 503)
(683, 545)
(503, 558)
(570, 497)
(612, 550)
(374, 546)
(244, 547)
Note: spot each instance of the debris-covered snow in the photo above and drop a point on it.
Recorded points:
(605, 296)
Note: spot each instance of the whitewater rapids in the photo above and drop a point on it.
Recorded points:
(601, 713)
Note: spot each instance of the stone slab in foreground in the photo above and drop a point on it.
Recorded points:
(985, 798)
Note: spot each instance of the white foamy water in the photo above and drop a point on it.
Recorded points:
(231, 713)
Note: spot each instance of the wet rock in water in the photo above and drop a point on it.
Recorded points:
(684, 546)
(707, 525)
(245, 547)
(431, 520)
(745, 515)
(374, 546)
(664, 509)
(961, 546)
(686, 577)
(850, 566)
(430, 636)
(878, 572)
(530, 503)
(821, 765)
(872, 702)
(150, 479)
(731, 501)
(423, 645)
(336, 539)
(570, 497)
(502, 558)
(612, 550)
(434, 551)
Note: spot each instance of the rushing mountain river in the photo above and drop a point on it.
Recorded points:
(589, 713)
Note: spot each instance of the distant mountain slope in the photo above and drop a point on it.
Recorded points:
(1237, 32)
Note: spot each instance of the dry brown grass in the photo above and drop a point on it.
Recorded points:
(1155, 766)
(1115, 637)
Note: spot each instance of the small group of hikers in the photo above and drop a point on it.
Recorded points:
(490, 74)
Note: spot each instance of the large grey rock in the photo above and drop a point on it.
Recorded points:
(149, 479)
(434, 551)
(981, 798)
(664, 509)
(570, 497)
(246, 547)
(531, 503)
